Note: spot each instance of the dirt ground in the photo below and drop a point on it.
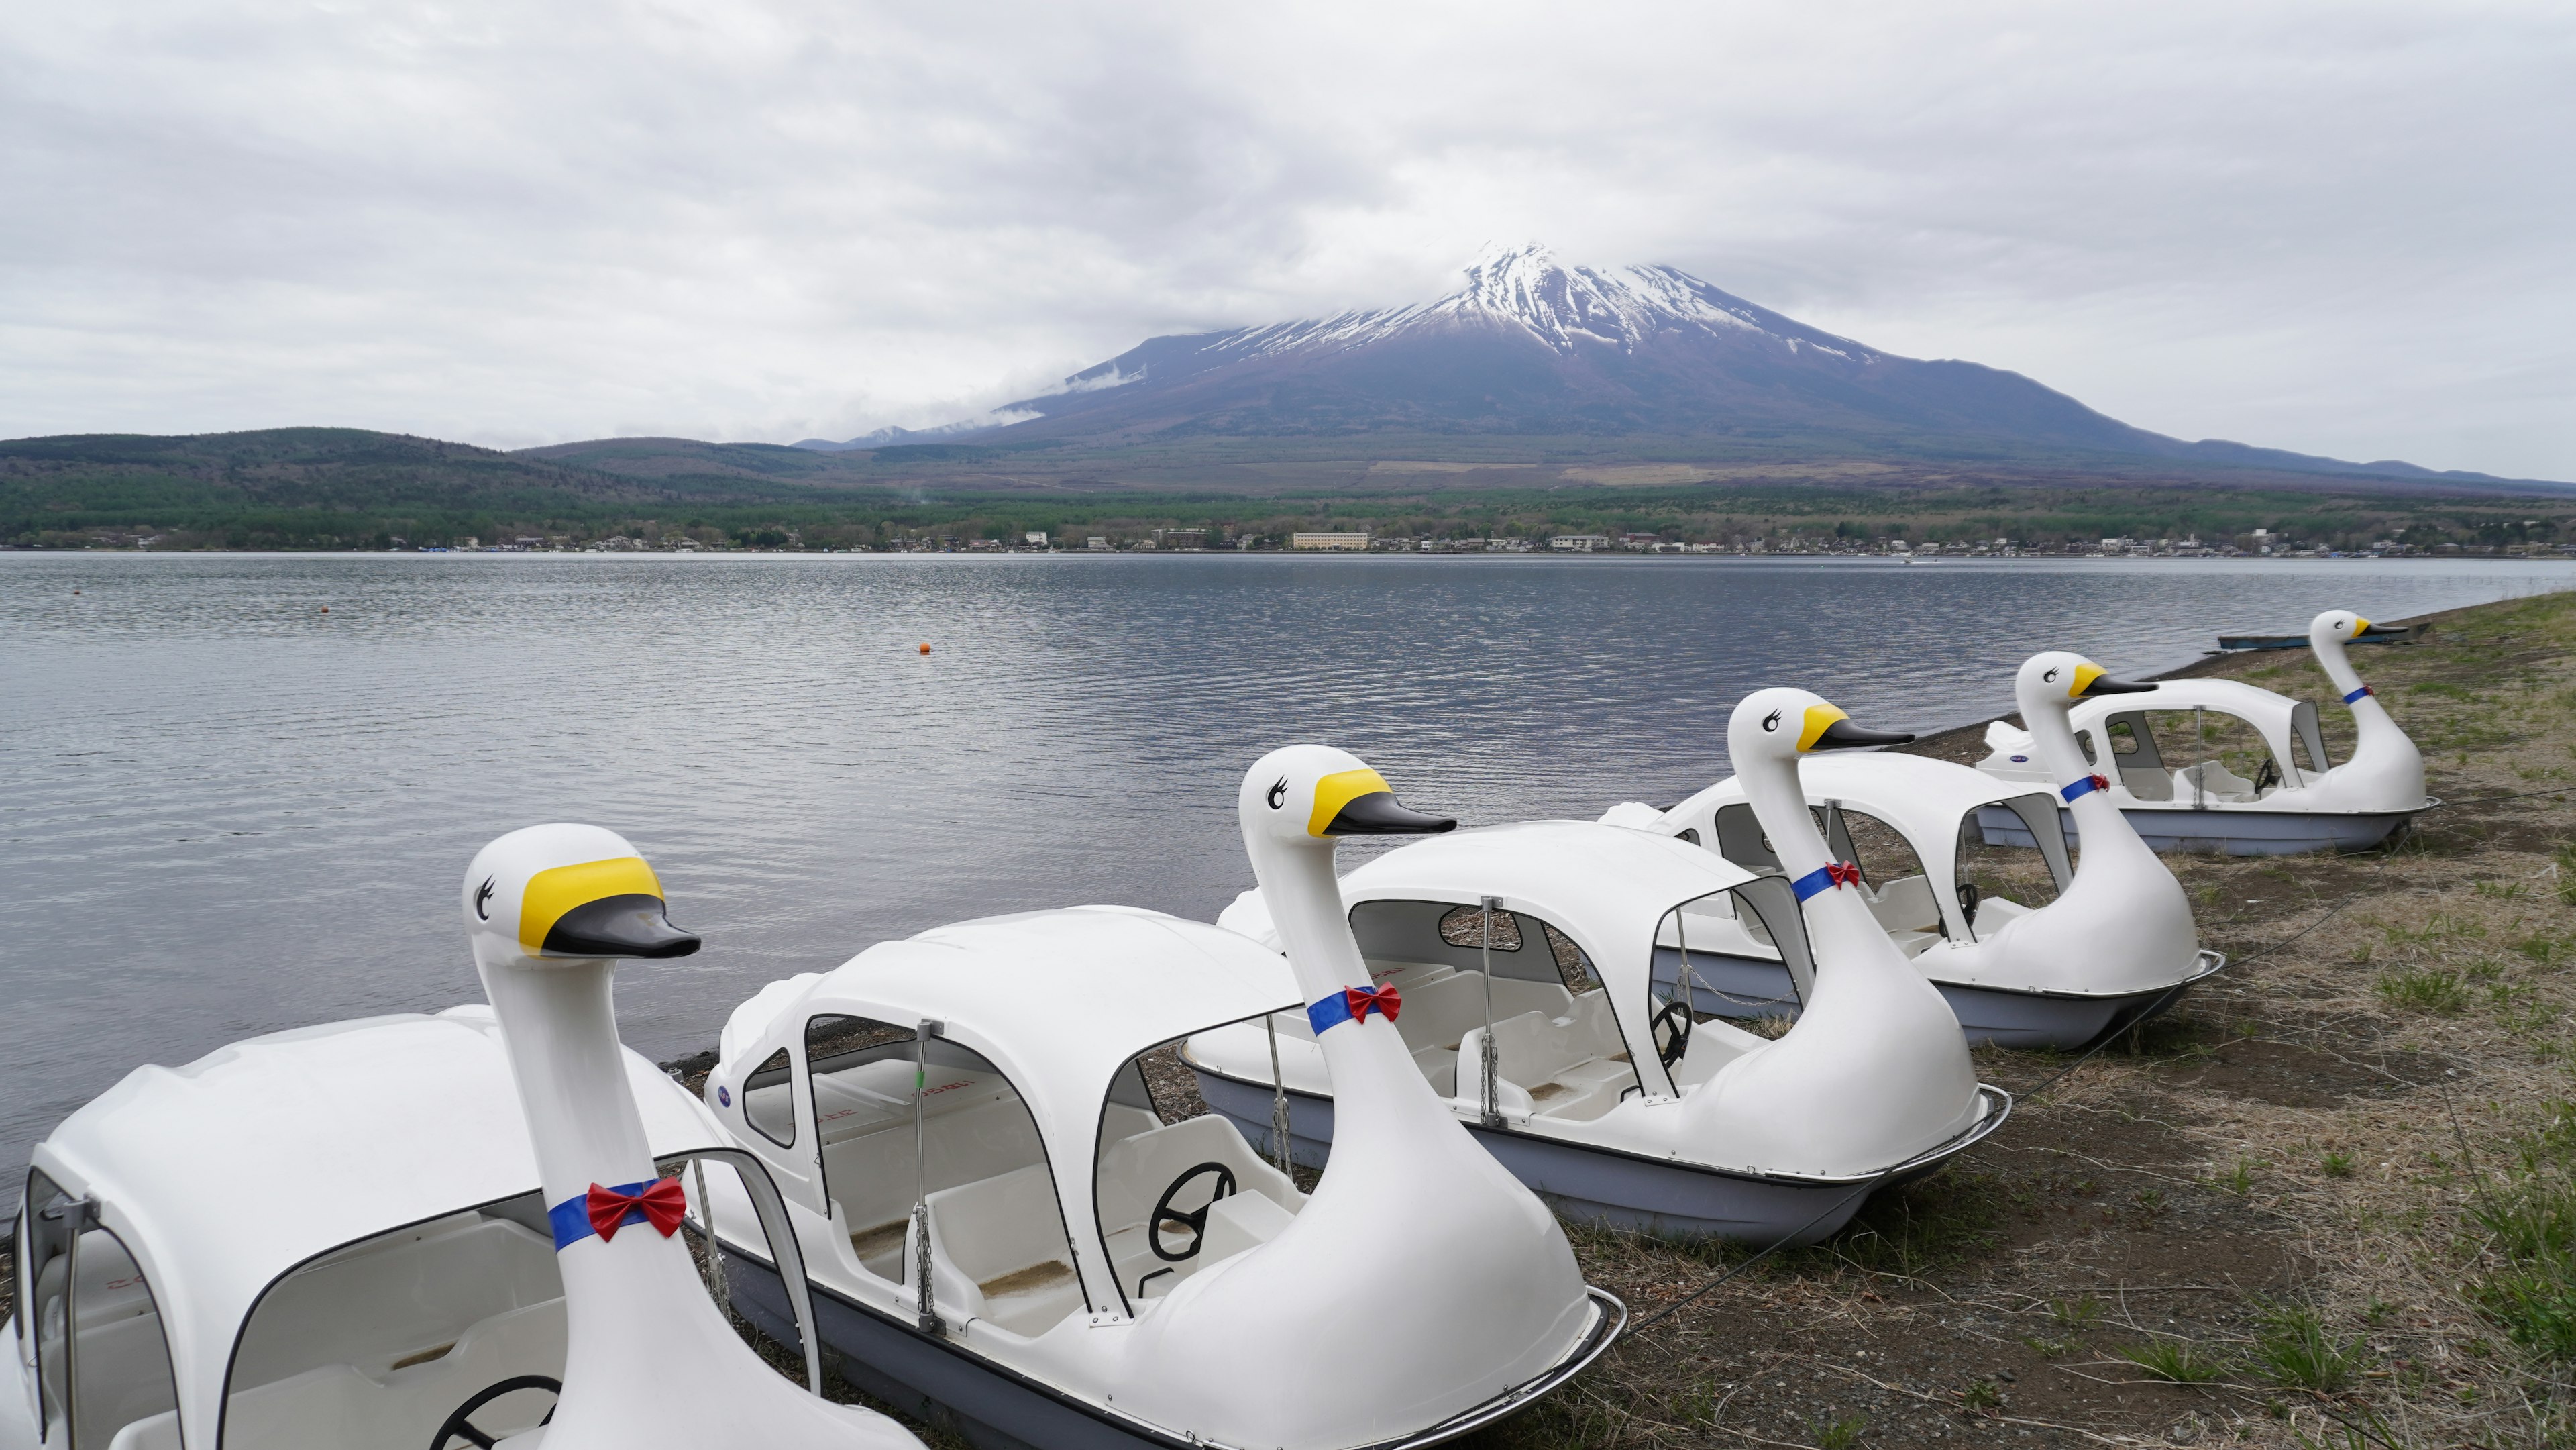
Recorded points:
(2325, 1202)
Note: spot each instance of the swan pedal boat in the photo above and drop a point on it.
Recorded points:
(331, 1238)
(1103, 1268)
(1592, 1083)
(1932, 817)
(2296, 800)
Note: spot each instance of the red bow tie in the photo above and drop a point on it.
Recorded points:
(1361, 999)
(664, 1203)
(1842, 873)
(2099, 782)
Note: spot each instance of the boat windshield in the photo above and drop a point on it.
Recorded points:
(2011, 860)
(1178, 1186)
(383, 1343)
(931, 1133)
(2198, 757)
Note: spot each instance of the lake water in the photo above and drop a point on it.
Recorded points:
(228, 812)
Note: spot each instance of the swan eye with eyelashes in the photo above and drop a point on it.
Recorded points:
(1278, 793)
(2049, 678)
(1771, 722)
(483, 900)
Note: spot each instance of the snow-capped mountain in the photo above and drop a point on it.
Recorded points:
(1526, 288)
(1530, 345)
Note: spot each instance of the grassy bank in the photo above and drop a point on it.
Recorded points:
(2329, 1201)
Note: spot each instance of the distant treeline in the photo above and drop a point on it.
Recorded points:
(345, 489)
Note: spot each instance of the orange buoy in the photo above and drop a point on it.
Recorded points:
(925, 649)
(326, 609)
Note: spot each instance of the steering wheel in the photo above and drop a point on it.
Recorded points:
(2268, 777)
(1196, 1222)
(461, 1423)
(1968, 900)
(1671, 1029)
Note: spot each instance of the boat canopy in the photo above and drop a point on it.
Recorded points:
(2142, 769)
(2278, 718)
(1609, 888)
(221, 1176)
(1928, 802)
(1058, 1001)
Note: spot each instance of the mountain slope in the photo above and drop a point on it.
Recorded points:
(1533, 347)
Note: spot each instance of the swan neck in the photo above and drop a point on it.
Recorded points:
(559, 1028)
(2337, 665)
(1771, 788)
(1305, 900)
(2054, 734)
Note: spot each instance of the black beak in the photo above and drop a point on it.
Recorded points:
(2105, 685)
(1844, 735)
(1379, 813)
(633, 925)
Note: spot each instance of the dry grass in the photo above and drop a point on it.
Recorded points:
(2330, 1201)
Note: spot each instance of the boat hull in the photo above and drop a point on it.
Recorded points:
(1745, 987)
(2233, 830)
(993, 1408)
(1606, 1186)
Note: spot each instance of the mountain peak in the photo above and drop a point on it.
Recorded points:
(1568, 306)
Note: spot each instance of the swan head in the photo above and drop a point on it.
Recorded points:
(2062, 677)
(1782, 724)
(1313, 793)
(559, 893)
(2345, 627)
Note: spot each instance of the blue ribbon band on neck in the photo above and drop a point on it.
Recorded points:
(2084, 787)
(2357, 694)
(1333, 1011)
(1819, 880)
(571, 1217)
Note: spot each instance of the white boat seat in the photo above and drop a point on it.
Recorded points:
(977, 1128)
(1906, 904)
(2145, 784)
(997, 1252)
(1561, 1065)
(398, 1297)
(1133, 1174)
(1442, 1011)
(367, 1407)
(1439, 1068)
(1244, 1221)
(1993, 912)
(2212, 780)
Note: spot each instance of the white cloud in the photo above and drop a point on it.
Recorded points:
(2335, 228)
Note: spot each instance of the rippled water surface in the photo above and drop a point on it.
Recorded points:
(228, 812)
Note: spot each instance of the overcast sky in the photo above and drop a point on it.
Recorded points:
(2342, 228)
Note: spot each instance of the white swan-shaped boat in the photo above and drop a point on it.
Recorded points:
(1011, 1221)
(2116, 945)
(2293, 800)
(1562, 943)
(331, 1238)
(648, 1359)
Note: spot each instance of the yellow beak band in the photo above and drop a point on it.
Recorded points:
(2085, 675)
(2359, 626)
(1338, 790)
(553, 892)
(1819, 719)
